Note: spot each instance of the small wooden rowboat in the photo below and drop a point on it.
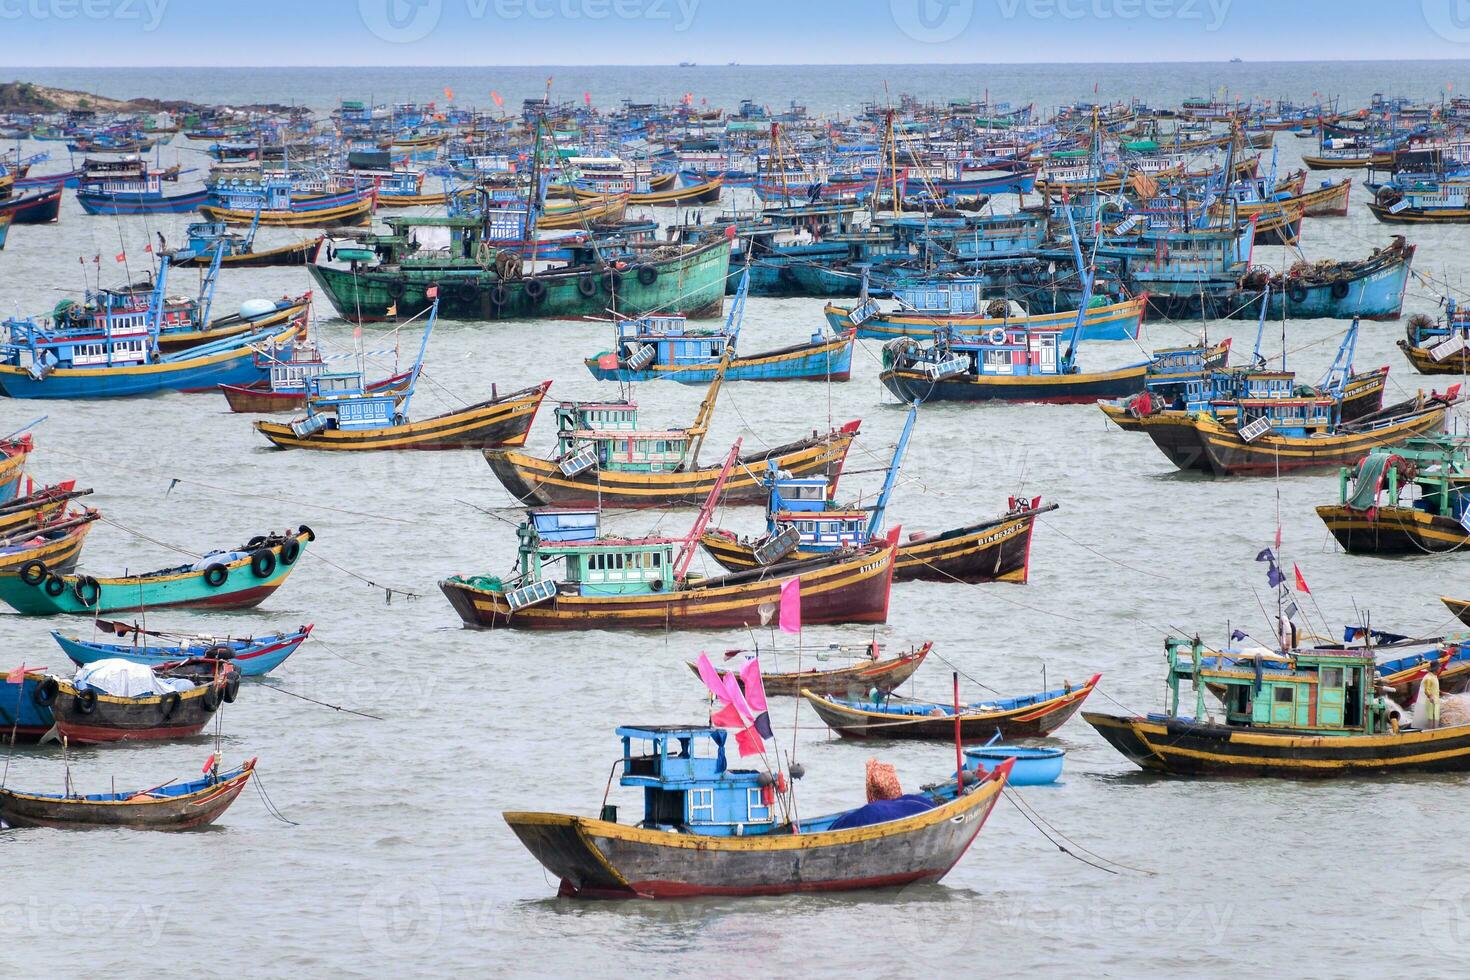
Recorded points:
(533, 480)
(88, 716)
(707, 192)
(290, 311)
(1027, 716)
(354, 212)
(55, 544)
(261, 399)
(500, 421)
(170, 806)
(37, 507)
(294, 253)
(222, 582)
(997, 550)
(855, 681)
(251, 655)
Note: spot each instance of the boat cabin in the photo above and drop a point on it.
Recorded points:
(688, 785)
(667, 340)
(558, 545)
(1439, 466)
(1323, 692)
(607, 434)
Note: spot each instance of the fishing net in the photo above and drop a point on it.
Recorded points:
(882, 781)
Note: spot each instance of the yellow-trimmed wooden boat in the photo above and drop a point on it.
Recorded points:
(37, 506)
(234, 325)
(582, 212)
(302, 253)
(1393, 529)
(707, 192)
(343, 215)
(1424, 360)
(1124, 316)
(1459, 607)
(533, 480)
(500, 421)
(414, 200)
(56, 544)
(853, 681)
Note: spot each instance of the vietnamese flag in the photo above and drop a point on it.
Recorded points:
(432, 292)
(1301, 583)
(121, 256)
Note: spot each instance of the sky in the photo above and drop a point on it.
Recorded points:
(643, 32)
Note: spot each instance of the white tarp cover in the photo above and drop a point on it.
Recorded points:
(125, 679)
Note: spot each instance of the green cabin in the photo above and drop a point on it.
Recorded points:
(610, 431)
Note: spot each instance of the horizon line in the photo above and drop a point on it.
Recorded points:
(764, 64)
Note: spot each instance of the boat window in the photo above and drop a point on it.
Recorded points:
(657, 559)
(1330, 677)
(1284, 694)
(701, 805)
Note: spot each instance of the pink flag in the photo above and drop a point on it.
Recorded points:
(728, 716)
(791, 606)
(749, 742)
(755, 696)
(16, 676)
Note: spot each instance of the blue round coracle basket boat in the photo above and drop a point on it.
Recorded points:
(1034, 766)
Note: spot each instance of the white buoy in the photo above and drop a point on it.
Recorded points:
(254, 309)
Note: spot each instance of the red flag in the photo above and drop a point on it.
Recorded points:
(1094, 88)
(122, 256)
(1278, 537)
(16, 676)
(495, 97)
(208, 763)
(587, 97)
(608, 361)
(431, 292)
(148, 248)
(1301, 583)
(791, 606)
(97, 259)
(748, 741)
(357, 333)
(449, 93)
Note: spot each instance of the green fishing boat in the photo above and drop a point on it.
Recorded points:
(237, 578)
(1408, 499)
(481, 279)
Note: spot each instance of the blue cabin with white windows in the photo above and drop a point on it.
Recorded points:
(688, 785)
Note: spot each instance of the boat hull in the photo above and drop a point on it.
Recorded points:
(500, 422)
(1392, 530)
(302, 253)
(843, 682)
(830, 360)
(155, 718)
(252, 659)
(242, 589)
(1113, 321)
(533, 480)
(123, 204)
(1028, 721)
(847, 588)
(1060, 389)
(140, 811)
(1182, 747)
(692, 282)
(599, 859)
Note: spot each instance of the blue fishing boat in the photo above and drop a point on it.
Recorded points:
(1031, 765)
(708, 828)
(130, 186)
(118, 354)
(252, 655)
(662, 346)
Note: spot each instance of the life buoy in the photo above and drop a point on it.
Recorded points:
(535, 290)
(55, 585)
(87, 590)
(395, 288)
(587, 285)
(262, 563)
(997, 335)
(467, 292)
(1339, 289)
(46, 692)
(87, 701)
(657, 585)
(215, 575)
(291, 550)
(33, 572)
(255, 542)
(499, 295)
(647, 275)
(1297, 292)
(169, 703)
(306, 532)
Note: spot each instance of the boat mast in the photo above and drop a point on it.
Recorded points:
(418, 364)
(875, 521)
(737, 308)
(206, 289)
(706, 409)
(706, 511)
